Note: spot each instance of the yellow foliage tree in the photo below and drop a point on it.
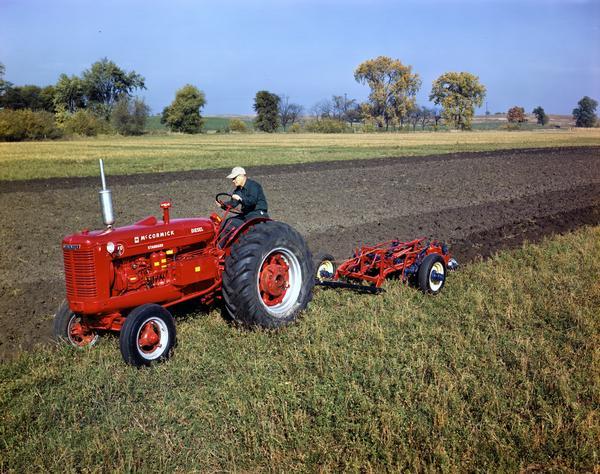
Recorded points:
(393, 89)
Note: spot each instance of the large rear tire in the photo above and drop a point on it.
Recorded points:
(147, 336)
(269, 277)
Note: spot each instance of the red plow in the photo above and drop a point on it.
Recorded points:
(422, 262)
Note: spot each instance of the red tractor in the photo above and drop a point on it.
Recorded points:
(125, 278)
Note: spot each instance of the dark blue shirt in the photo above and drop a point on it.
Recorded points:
(253, 197)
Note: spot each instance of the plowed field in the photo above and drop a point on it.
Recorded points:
(478, 202)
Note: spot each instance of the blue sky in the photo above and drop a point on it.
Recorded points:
(526, 53)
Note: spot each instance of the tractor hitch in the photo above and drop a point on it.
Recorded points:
(350, 286)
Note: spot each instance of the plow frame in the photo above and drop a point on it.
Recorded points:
(373, 264)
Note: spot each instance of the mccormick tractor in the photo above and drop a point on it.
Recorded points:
(126, 278)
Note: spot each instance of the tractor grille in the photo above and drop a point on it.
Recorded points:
(80, 273)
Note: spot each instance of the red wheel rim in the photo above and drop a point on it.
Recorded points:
(149, 338)
(274, 279)
(80, 334)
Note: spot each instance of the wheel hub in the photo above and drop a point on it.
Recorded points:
(274, 279)
(149, 337)
(79, 333)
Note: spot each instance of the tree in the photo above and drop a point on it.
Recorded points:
(458, 93)
(414, 117)
(322, 109)
(427, 115)
(585, 114)
(266, 106)
(129, 116)
(437, 117)
(289, 113)
(105, 83)
(183, 115)
(353, 113)
(542, 118)
(516, 115)
(69, 94)
(393, 88)
(341, 105)
(29, 97)
(4, 85)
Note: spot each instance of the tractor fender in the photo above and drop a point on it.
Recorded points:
(242, 230)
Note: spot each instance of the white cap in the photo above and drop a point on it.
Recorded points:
(238, 170)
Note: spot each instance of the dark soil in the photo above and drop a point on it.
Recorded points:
(478, 202)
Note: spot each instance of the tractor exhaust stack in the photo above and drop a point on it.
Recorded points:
(106, 201)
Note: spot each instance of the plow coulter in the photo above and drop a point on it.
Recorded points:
(422, 262)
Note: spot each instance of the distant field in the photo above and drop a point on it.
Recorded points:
(27, 160)
(498, 373)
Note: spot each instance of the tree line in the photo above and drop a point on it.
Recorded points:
(392, 103)
(101, 100)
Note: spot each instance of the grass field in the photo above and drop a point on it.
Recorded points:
(27, 160)
(500, 372)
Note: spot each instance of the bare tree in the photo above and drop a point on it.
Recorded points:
(427, 115)
(288, 112)
(437, 116)
(414, 117)
(322, 109)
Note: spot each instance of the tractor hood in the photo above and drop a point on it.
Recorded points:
(149, 234)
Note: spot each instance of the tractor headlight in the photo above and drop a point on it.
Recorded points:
(110, 247)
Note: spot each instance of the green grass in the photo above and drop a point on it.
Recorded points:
(497, 373)
(160, 153)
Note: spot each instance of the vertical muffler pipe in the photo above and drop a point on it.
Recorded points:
(106, 200)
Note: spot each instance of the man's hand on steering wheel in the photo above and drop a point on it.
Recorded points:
(225, 205)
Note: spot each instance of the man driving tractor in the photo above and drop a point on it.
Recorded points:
(249, 195)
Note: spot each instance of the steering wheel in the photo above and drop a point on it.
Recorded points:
(219, 198)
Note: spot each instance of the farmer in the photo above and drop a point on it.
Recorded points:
(248, 196)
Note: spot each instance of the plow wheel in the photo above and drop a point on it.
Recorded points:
(326, 267)
(432, 274)
(148, 335)
(71, 328)
(268, 276)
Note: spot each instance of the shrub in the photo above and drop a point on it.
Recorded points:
(17, 125)
(369, 128)
(236, 125)
(129, 116)
(295, 128)
(84, 122)
(326, 125)
(511, 127)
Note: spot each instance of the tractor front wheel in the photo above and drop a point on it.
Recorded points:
(70, 327)
(269, 276)
(148, 335)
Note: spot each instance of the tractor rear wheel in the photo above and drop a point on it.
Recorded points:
(148, 335)
(269, 277)
(432, 274)
(70, 328)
